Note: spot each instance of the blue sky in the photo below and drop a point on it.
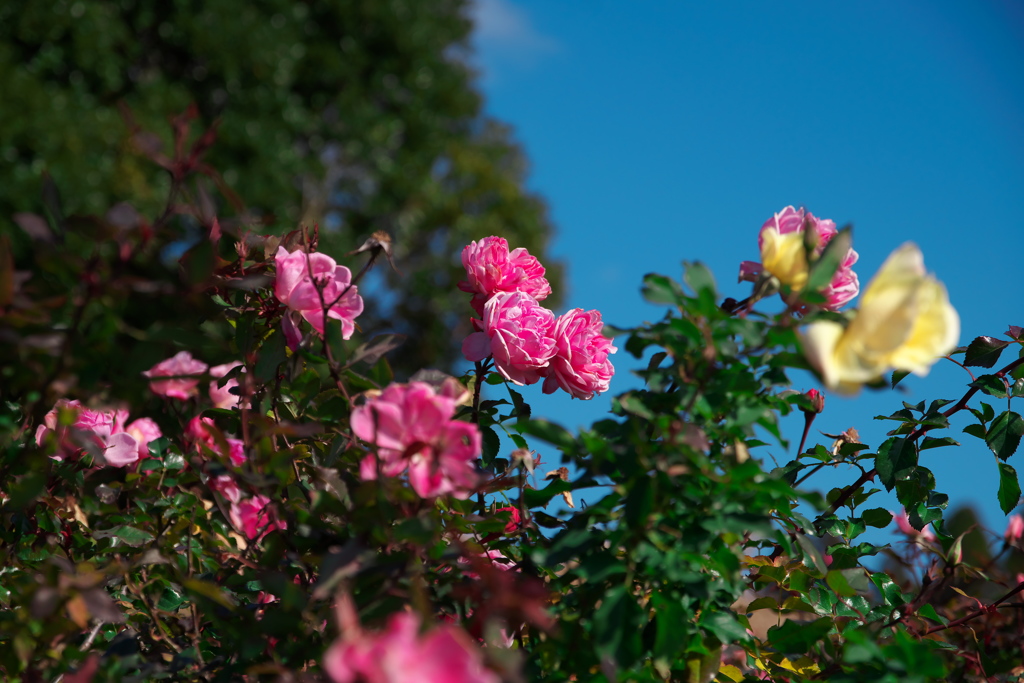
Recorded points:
(660, 132)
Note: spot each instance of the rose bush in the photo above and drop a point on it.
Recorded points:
(316, 518)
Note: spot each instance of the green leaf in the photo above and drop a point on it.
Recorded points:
(877, 517)
(898, 376)
(491, 444)
(210, 591)
(1009, 488)
(615, 625)
(1004, 434)
(824, 269)
(548, 431)
(813, 559)
(983, 352)
(523, 410)
(659, 289)
(541, 498)
(170, 600)
(700, 280)
(991, 385)
(977, 430)
(938, 442)
(894, 458)
(798, 637)
(128, 535)
(724, 626)
(847, 582)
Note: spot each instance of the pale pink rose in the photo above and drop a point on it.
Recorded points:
(518, 332)
(491, 268)
(580, 365)
(1014, 529)
(179, 366)
(221, 396)
(329, 286)
(100, 432)
(844, 285)
(255, 517)
(413, 428)
(144, 430)
(236, 452)
(401, 654)
(225, 485)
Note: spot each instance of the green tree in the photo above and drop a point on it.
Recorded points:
(359, 115)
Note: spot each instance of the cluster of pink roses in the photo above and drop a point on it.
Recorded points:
(525, 339)
(782, 242)
(309, 284)
(104, 434)
(414, 429)
(183, 373)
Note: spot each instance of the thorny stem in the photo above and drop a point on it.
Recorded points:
(988, 609)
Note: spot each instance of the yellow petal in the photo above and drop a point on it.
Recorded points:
(783, 256)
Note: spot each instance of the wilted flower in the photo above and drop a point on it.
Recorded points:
(413, 427)
(491, 268)
(179, 366)
(518, 332)
(580, 364)
(330, 286)
(905, 322)
(783, 254)
(402, 654)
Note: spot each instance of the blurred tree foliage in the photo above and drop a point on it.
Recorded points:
(359, 115)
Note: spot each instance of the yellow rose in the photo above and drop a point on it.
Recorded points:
(905, 322)
(785, 257)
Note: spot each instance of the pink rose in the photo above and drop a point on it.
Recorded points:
(181, 365)
(100, 432)
(903, 524)
(580, 365)
(844, 285)
(413, 428)
(1014, 529)
(490, 269)
(518, 332)
(225, 485)
(198, 431)
(221, 396)
(401, 654)
(255, 517)
(144, 430)
(330, 286)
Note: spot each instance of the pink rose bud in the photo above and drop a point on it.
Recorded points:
(519, 333)
(255, 517)
(309, 283)
(491, 268)
(1014, 529)
(817, 401)
(443, 654)
(580, 365)
(413, 428)
(179, 367)
(515, 519)
(221, 396)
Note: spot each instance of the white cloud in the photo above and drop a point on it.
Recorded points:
(505, 37)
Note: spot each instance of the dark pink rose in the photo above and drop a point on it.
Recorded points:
(307, 283)
(401, 654)
(518, 332)
(491, 268)
(580, 364)
(179, 367)
(844, 285)
(255, 517)
(413, 428)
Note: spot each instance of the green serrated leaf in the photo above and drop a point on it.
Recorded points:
(1009, 488)
(895, 457)
(898, 376)
(1005, 433)
(991, 385)
(983, 352)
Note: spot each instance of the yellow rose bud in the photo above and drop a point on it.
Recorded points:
(785, 257)
(905, 322)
